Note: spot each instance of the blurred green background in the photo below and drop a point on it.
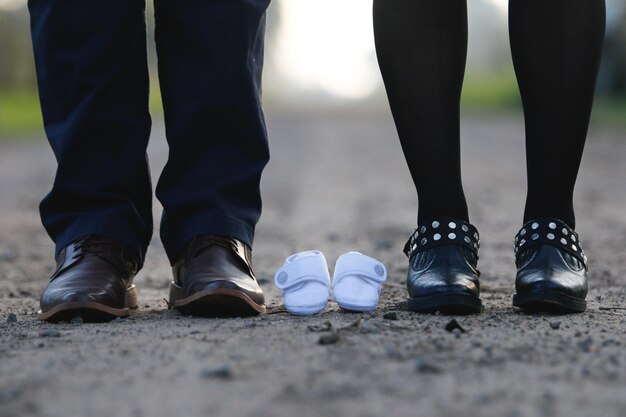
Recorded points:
(318, 57)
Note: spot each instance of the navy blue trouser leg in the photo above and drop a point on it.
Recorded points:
(93, 83)
(210, 57)
(93, 79)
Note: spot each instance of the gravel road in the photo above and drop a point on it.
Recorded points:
(337, 182)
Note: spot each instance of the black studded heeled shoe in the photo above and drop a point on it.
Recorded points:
(551, 268)
(442, 276)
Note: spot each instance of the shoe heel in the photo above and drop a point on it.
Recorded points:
(131, 299)
(176, 293)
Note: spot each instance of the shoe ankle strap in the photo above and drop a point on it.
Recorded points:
(552, 232)
(443, 231)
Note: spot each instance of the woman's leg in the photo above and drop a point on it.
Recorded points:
(556, 47)
(422, 47)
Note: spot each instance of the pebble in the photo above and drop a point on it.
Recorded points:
(11, 318)
(77, 320)
(394, 354)
(586, 345)
(369, 327)
(383, 244)
(324, 327)
(391, 315)
(7, 255)
(488, 350)
(10, 394)
(555, 325)
(453, 324)
(50, 333)
(441, 344)
(329, 339)
(333, 237)
(425, 368)
(220, 372)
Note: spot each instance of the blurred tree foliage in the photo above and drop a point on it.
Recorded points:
(613, 72)
(16, 57)
(17, 67)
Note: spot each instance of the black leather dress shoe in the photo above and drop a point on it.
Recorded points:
(94, 280)
(551, 268)
(442, 268)
(214, 278)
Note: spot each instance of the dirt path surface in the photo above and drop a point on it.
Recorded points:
(337, 182)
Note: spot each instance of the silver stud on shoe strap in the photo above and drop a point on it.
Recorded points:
(443, 231)
(553, 232)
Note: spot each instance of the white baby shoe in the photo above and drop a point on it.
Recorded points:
(305, 283)
(357, 281)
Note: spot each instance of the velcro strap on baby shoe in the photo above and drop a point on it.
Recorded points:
(355, 263)
(303, 267)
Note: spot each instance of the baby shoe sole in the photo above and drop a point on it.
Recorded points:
(306, 311)
(355, 307)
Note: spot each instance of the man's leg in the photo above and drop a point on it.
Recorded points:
(210, 62)
(93, 81)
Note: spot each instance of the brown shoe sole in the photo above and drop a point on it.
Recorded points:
(90, 311)
(215, 302)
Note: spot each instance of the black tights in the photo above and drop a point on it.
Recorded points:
(556, 47)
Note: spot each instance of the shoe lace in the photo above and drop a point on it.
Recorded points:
(204, 242)
(95, 245)
(106, 249)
